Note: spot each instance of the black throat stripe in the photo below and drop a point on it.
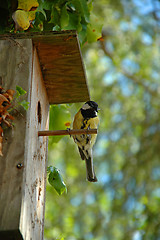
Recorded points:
(88, 113)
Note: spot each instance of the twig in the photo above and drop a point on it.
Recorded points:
(67, 132)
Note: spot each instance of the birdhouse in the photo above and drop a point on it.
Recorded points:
(49, 67)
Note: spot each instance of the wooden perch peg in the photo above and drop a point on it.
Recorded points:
(67, 132)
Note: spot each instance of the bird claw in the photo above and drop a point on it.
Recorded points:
(68, 130)
(88, 135)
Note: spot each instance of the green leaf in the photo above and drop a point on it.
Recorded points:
(94, 29)
(82, 35)
(24, 104)
(74, 22)
(64, 17)
(85, 10)
(55, 180)
(40, 9)
(55, 16)
(82, 8)
(20, 91)
(90, 6)
(47, 5)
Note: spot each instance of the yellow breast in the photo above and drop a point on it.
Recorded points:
(80, 123)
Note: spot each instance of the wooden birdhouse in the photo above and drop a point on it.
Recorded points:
(49, 67)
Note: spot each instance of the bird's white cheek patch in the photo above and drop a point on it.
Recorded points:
(86, 106)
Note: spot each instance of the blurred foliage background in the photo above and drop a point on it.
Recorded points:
(123, 76)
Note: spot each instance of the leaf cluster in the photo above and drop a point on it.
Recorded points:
(68, 15)
(49, 15)
(20, 92)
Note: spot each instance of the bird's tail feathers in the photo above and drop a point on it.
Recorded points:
(91, 176)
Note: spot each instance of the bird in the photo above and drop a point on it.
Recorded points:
(86, 118)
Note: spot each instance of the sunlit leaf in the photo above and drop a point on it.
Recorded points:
(32, 15)
(21, 19)
(27, 4)
(94, 29)
(55, 179)
(20, 91)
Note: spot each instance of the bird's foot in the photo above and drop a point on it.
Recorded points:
(88, 135)
(68, 130)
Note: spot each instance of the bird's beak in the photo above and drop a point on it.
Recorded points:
(98, 109)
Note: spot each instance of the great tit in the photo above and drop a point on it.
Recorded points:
(86, 118)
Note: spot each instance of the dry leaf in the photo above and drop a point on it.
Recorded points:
(5, 102)
(3, 99)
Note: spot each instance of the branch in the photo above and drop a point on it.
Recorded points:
(67, 132)
(104, 46)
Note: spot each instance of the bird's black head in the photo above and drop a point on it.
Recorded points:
(89, 109)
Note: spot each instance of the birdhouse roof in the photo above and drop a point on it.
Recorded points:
(61, 65)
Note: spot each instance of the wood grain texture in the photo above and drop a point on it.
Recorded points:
(15, 65)
(34, 178)
(61, 64)
(22, 190)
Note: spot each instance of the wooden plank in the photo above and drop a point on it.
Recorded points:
(61, 64)
(15, 65)
(34, 178)
(22, 190)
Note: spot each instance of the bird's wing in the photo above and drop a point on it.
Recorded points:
(81, 153)
(78, 120)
